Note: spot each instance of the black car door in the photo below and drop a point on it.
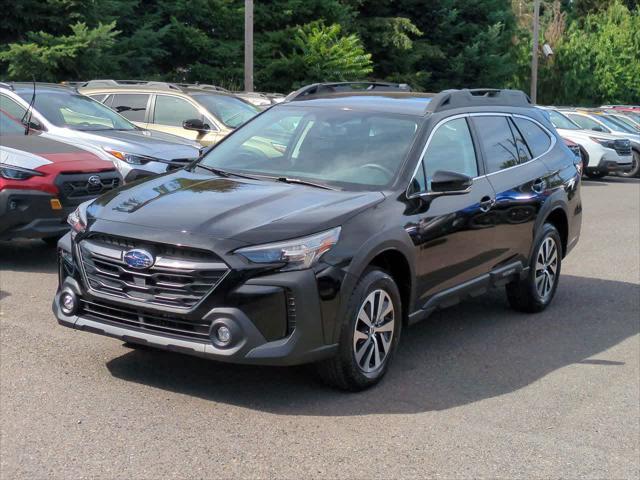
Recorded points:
(512, 149)
(453, 232)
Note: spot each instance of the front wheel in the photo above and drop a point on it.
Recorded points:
(635, 166)
(369, 334)
(535, 292)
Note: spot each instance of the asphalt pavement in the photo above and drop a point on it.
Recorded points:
(475, 391)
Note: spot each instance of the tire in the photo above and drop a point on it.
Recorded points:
(635, 170)
(356, 365)
(52, 241)
(536, 291)
(595, 174)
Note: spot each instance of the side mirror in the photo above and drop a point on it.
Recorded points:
(34, 125)
(598, 129)
(444, 182)
(195, 124)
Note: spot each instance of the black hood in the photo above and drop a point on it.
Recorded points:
(249, 211)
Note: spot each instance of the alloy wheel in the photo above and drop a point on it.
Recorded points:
(546, 267)
(374, 331)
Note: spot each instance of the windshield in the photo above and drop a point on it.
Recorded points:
(627, 121)
(615, 124)
(231, 111)
(560, 121)
(10, 126)
(71, 110)
(347, 148)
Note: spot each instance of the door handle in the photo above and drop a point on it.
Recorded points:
(539, 185)
(486, 203)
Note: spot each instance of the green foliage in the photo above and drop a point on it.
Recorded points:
(49, 58)
(432, 45)
(327, 55)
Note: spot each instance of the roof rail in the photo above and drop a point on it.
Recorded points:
(203, 86)
(6, 85)
(340, 87)
(481, 97)
(120, 83)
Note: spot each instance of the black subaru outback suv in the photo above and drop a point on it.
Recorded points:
(326, 225)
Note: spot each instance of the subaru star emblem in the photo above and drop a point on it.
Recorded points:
(138, 258)
(94, 180)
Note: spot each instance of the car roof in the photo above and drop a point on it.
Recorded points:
(27, 87)
(409, 103)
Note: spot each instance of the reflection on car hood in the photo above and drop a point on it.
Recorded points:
(250, 211)
(146, 142)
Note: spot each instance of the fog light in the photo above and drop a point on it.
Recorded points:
(223, 334)
(68, 303)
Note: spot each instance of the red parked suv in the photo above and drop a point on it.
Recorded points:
(43, 180)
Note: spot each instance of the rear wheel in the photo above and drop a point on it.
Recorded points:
(595, 173)
(369, 334)
(635, 169)
(52, 241)
(535, 292)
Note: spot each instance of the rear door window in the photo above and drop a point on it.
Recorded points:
(498, 142)
(537, 139)
(172, 111)
(132, 106)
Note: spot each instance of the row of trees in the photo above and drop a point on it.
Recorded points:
(432, 45)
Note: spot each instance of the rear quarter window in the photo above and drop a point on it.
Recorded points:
(537, 139)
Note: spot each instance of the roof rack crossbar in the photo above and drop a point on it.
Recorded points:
(338, 87)
(478, 97)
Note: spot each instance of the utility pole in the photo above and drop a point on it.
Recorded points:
(534, 56)
(248, 45)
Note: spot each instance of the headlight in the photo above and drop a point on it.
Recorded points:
(130, 157)
(604, 142)
(77, 219)
(296, 254)
(11, 172)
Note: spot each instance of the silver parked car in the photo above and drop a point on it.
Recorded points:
(61, 113)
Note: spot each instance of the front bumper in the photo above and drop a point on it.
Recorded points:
(612, 166)
(302, 344)
(28, 214)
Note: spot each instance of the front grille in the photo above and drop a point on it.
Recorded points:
(145, 321)
(76, 188)
(623, 147)
(179, 278)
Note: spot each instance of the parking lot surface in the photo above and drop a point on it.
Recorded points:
(475, 391)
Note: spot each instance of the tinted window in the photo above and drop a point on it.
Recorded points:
(351, 149)
(79, 112)
(173, 111)
(497, 141)
(229, 110)
(10, 126)
(524, 153)
(451, 148)
(560, 121)
(12, 108)
(537, 139)
(586, 122)
(131, 106)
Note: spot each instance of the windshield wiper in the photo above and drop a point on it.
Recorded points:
(299, 181)
(226, 174)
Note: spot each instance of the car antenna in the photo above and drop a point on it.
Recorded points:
(29, 112)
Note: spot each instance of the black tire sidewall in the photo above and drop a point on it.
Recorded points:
(372, 279)
(548, 230)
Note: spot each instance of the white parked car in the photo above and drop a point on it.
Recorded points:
(600, 122)
(602, 153)
(61, 113)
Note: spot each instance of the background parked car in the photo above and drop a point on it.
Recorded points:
(602, 153)
(61, 113)
(598, 121)
(42, 181)
(202, 113)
